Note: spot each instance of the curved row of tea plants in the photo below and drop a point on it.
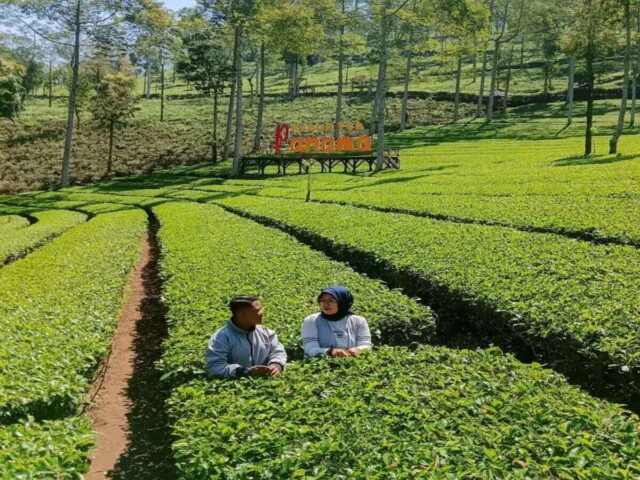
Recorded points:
(87, 207)
(17, 241)
(593, 218)
(12, 222)
(56, 449)
(58, 308)
(390, 414)
(434, 413)
(208, 255)
(575, 303)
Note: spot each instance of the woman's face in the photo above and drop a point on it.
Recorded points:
(328, 304)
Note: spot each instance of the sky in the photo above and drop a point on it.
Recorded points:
(178, 4)
(171, 4)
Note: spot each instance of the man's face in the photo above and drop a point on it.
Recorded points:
(253, 316)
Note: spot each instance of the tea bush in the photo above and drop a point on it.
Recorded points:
(208, 255)
(53, 449)
(16, 242)
(572, 301)
(433, 413)
(58, 309)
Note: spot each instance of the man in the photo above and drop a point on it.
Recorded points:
(243, 347)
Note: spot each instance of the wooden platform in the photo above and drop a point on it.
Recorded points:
(349, 163)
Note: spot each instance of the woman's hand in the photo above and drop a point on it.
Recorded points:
(353, 351)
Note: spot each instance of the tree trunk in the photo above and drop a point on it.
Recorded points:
(214, 145)
(346, 75)
(590, 84)
(161, 87)
(522, 52)
(296, 80)
(494, 74)
(507, 82)
(405, 95)
(232, 93)
(634, 86)
(258, 138)
(570, 87)
(613, 142)
(147, 85)
(547, 68)
(483, 73)
(338, 119)
(475, 58)
(237, 152)
(456, 105)
(50, 85)
(381, 91)
(66, 158)
(636, 71)
(110, 157)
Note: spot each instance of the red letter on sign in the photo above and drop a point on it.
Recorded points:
(282, 136)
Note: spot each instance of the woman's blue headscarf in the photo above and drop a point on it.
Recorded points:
(343, 297)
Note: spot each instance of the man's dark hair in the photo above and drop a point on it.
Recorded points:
(240, 302)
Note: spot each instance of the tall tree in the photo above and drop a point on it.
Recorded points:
(11, 88)
(155, 39)
(636, 65)
(485, 59)
(502, 21)
(260, 116)
(386, 13)
(613, 142)
(70, 23)
(114, 102)
(464, 22)
(205, 61)
(570, 88)
(295, 29)
(415, 30)
(591, 38)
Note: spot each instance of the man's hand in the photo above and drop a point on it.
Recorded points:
(265, 370)
(353, 351)
(260, 371)
(339, 352)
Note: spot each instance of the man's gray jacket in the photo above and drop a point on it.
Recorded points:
(231, 348)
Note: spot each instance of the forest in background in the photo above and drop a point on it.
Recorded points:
(94, 88)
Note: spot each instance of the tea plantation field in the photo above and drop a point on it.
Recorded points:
(500, 278)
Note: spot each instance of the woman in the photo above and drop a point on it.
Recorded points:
(335, 330)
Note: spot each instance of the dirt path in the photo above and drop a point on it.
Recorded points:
(133, 440)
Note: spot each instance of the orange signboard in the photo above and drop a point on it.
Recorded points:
(349, 141)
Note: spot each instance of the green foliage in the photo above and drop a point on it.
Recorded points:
(206, 58)
(531, 190)
(293, 28)
(33, 76)
(55, 449)
(572, 299)
(434, 413)
(11, 89)
(58, 308)
(8, 223)
(210, 255)
(114, 101)
(49, 224)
